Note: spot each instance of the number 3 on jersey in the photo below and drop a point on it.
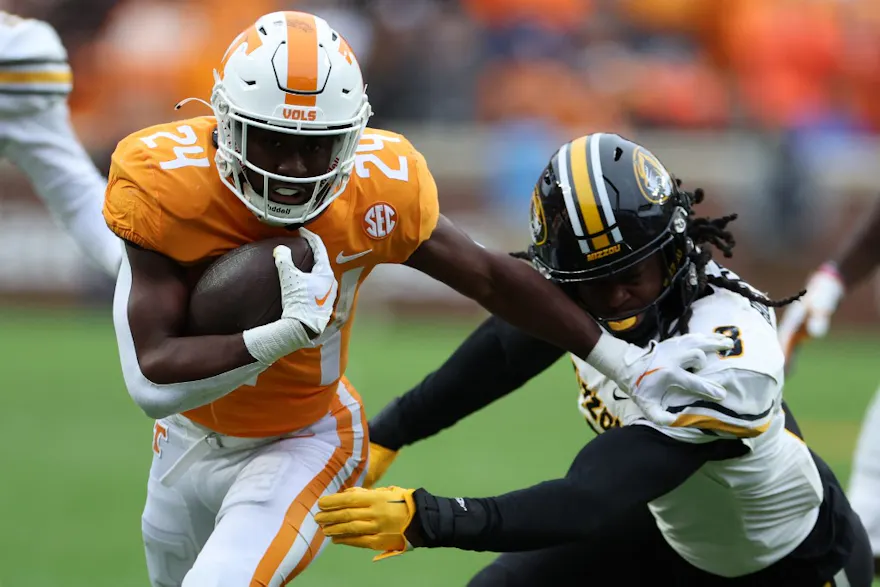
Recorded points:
(731, 332)
(372, 142)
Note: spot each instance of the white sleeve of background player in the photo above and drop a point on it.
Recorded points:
(160, 401)
(44, 146)
(34, 65)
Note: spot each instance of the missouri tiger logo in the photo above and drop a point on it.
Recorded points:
(537, 221)
(653, 179)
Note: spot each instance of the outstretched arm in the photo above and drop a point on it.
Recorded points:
(857, 258)
(517, 293)
(620, 469)
(43, 145)
(493, 361)
(507, 288)
(36, 135)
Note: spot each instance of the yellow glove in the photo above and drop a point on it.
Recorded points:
(368, 518)
(380, 459)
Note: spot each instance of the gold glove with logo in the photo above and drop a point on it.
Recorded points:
(369, 518)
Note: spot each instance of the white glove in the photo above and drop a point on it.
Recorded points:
(809, 316)
(657, 373)
(307, 301)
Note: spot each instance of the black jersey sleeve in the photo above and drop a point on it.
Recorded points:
(494, 360)
(617, 471)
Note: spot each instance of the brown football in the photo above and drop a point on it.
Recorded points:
(240, 290)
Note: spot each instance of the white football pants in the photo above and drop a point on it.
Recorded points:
(224, 511)
(864, 484)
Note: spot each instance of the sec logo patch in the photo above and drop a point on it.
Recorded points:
(380, 220)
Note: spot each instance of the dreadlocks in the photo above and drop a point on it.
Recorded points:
(713, 231)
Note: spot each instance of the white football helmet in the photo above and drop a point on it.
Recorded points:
(290, 73)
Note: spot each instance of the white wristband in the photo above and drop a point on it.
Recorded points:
(609, 355)
(270, 342)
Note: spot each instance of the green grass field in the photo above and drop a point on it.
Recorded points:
(76, 450)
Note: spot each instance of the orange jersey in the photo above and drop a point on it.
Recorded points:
(165, 194)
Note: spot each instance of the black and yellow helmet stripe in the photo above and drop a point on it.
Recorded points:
(588, 193)
(584, 194)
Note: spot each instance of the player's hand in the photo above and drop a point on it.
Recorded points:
(379, 461)
(660, 375)
(369, 518)
(307, 297)
(307, 301)
(810, 316)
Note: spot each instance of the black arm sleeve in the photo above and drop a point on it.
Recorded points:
(496, 359)
(619, 470)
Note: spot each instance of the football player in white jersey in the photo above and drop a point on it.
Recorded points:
(707, 493)
(809, 318)
(36, 135)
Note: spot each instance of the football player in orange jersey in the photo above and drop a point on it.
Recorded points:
(253, 428)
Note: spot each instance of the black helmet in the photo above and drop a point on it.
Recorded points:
(602, 205)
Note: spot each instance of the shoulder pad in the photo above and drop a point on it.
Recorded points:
(396, 199)
(751, 326)
(158, 176)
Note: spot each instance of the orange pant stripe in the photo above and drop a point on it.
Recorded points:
(315, 544)
(303, 503)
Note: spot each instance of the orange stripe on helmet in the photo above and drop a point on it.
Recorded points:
(249, 36)
(302, 58)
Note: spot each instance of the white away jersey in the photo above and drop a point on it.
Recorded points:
(34, 73)
(36, 135)
(740, 515)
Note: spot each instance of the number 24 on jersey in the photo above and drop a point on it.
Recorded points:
(187, 153)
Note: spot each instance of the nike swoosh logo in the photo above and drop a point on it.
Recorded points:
(322, 301)
(340, 258)
(645, 374)
(615, 396)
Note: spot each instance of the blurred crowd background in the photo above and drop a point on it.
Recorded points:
(771, 105)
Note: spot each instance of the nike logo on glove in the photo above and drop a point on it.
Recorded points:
(618, 398)
(645, 374)
(340, 258)
(322, 301)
